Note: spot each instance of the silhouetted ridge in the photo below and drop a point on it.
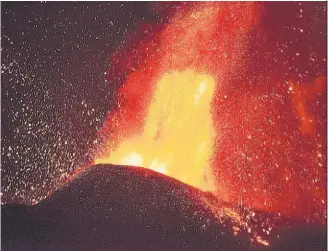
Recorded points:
(108, 207)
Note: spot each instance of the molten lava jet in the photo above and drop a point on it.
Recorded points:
(165, 121)
(178, 131)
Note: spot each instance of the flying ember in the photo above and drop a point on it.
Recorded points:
(190, 106)
(164, 116)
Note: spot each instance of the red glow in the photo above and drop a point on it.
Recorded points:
(268, 153)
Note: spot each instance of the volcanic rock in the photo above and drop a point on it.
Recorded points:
(111, 207)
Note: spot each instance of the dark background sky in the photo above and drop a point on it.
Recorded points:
(55, 94)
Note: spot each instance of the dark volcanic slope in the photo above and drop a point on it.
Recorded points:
(124, 208)
(116, 207)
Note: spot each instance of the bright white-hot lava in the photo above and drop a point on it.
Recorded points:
(178, 133)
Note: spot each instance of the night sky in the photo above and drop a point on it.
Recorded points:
(62, 64)
(54, 92)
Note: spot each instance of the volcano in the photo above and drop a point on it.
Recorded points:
(108, 207)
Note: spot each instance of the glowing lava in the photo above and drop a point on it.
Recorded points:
(191, 109)
(178, 131)
(164, 118)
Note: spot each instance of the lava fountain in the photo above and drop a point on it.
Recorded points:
(164, 121)
(178, 131)
(190, 110)
(174, 115)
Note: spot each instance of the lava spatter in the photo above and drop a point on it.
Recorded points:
(164, 121)
(260, 122)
